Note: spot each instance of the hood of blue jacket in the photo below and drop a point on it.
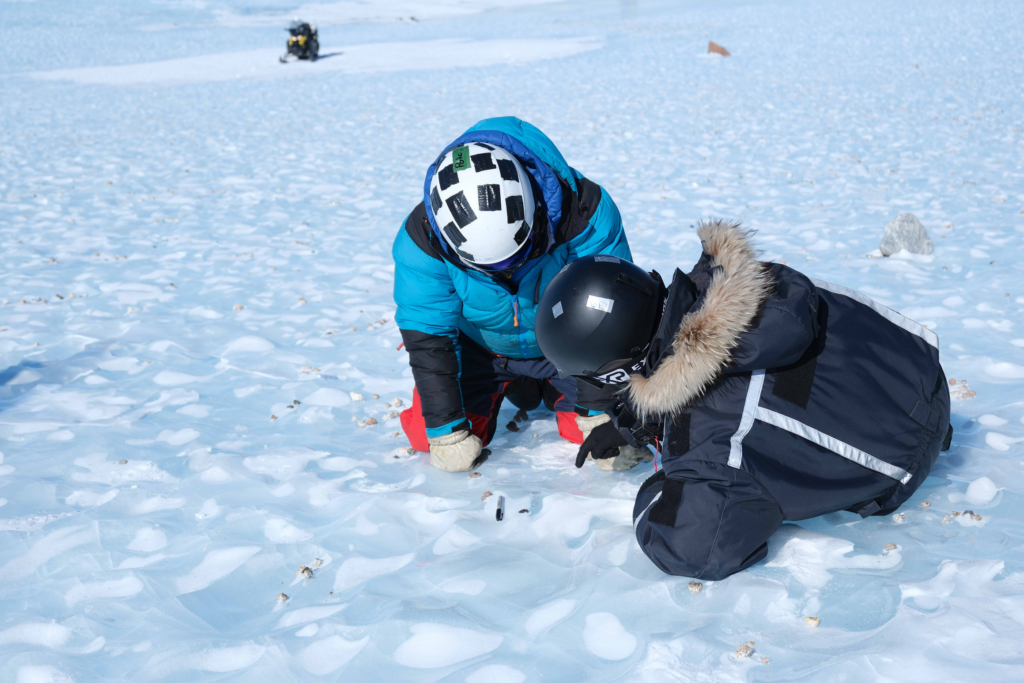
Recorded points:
(534, 150)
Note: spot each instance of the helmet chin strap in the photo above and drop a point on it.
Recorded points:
(617, 372)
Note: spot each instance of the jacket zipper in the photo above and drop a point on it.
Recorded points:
(515, 323)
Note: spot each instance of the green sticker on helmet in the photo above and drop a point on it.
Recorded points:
(460, 158)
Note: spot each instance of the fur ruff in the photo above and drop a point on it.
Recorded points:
(706, 336)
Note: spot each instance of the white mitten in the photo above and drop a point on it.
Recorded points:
(628, 456)
(455, 452)
(587, 424)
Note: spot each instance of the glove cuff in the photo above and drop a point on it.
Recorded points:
(588, 424)
(448, 439)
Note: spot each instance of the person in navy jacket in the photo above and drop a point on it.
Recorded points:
(771, 397)
(502, 213)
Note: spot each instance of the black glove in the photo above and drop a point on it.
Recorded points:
(603, 442)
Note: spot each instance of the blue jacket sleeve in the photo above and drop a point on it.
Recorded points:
(428, 316)
(424, 291)
(605, 234)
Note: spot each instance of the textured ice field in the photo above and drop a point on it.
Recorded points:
(195, 276)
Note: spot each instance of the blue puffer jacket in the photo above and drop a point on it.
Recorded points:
(439, 297)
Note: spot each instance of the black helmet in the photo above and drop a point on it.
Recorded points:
(597, 317)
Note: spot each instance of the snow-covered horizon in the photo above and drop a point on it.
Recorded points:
(197, 276)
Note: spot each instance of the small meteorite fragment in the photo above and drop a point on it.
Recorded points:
(361, 423)
(968, 513)
(317, 562)
(976, 518)
(375, 396)
(297, 402)
(524, 510)
(371, 421)
(946, 519)
(282, 596)
(926, 504)
(512, 427)
(307, 573)
(890, 546)
(301, 569)
(122, 462)
(899, 517)
(696, 586)
(397, 403)
(744, 651)
(956, 514)
(765, 660)
(812, 621)
(355, 395)
(486, 495)
(474, 475)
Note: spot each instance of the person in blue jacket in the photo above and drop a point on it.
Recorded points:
(502, 214)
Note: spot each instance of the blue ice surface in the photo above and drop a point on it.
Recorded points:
(136, 219)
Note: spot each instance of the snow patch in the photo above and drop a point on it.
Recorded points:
(157, 504)
(280, 531)
(606, 638)
(325, 396)
(307, 614)
(284, 463)
(428, 55)
(116, 588)
(147, 540)
(215, 566)
(249, 344)
(356, 570)
(433, 646)
(89, 498)
(178, 438)
(42, 674)
(39, 634)
(808, 556)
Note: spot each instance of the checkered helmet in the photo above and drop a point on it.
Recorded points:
(482, 202)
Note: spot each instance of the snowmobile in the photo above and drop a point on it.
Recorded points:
(302, 43)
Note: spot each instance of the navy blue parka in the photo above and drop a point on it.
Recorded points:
(774, 397)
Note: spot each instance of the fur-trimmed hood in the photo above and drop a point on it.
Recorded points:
(711, 330)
